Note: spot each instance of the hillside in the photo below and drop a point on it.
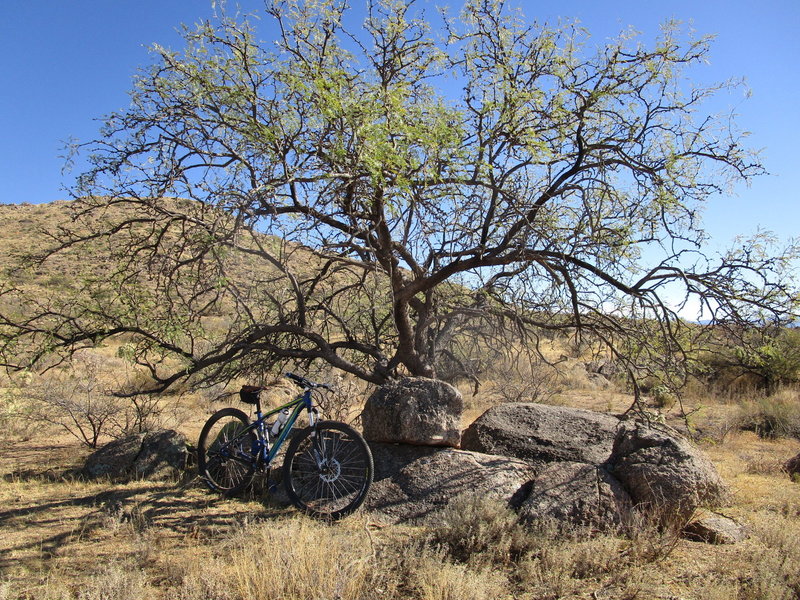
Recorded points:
(161, 281)
(30, 230)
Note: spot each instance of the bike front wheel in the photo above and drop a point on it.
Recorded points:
(224, 452)
(328, 470)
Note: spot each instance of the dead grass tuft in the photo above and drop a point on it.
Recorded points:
(773, 416)
(433, 577)
(287, 558)
(116, 581)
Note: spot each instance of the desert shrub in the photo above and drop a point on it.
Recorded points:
(772, 416)
(652, 534)
(763, 359)
(473, 528)
(775, 567)
(561, 561)
(663, 396)
(75, 403)
(76, 397)
(777, 361)
(15, 415)
(345, 400)
(142, 413)
(523, 378)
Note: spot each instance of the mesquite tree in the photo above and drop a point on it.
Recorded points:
(389, 198)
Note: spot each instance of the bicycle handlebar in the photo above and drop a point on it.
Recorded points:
(304, 383)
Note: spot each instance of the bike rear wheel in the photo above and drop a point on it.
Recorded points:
(328, 470)
(224, 452)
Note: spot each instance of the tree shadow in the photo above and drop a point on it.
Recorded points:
(180, 507)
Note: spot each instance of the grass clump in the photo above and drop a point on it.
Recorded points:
(776, 568)
(116, 581)
(772, 416)
(545, 559)
(479, 529)
(433, 577)
(292, 558)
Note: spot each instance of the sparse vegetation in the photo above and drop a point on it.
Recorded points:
(195, 288)
(173, 541)
(77, 396)
(775, 415)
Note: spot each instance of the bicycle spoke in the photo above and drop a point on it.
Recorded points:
(225, 460)
(330, 472)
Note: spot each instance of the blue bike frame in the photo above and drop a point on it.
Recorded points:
(264, 449)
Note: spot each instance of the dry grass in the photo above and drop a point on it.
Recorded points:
(62, 538)
(773, 416)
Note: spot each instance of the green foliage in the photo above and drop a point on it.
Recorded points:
(766, 358)
(663, 396)
(777, 361)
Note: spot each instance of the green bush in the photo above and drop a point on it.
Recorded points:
(764, 359)
(663, 396)
(776, 362)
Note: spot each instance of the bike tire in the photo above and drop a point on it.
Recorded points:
(339, 485)
(224, 452)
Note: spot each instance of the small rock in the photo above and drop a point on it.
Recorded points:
(163, 455)
(715, 529)
(154, 455)
(606, 368)
(115, 459)
(792, 466)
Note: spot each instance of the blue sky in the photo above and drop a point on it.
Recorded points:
(66, 63)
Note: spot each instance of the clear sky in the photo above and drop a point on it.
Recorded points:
(66, 63)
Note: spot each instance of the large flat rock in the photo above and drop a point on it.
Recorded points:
(413, 481)
(542, 433)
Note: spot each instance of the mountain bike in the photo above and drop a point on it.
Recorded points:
(328, 467)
